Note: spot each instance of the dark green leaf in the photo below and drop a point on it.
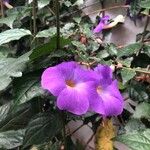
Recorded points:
(145, 4)
(138, 92)
(26, 88)
(8, 20)
(129, 50)
(11, 139)
(42, 129)
(19, 118)
(47, 48)
(134, 125)
(11, 67)
(4, 109)
(43, 3)
(111, 49)
(46, 33)
(136, 140)
(13, 34)
(142, 111)
(127, 75)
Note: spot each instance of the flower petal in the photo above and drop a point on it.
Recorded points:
(67, 69)
(99, 27)
(112, 100)
(108, 102)
(104, 71)
(101, 24)
(112, 105)
(113, 89)
(83, 75)
(52, 80)
(74, 100)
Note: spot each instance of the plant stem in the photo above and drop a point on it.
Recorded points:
(144, 33)
(2, 8)
(109, 8)
(34, 13)
(137, 70)
(57, 5)
(64, 129)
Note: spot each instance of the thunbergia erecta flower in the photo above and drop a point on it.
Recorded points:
(71, 84)
(102, 23)
(106, 99)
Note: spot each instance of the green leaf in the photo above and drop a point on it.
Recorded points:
(11, 67)
(147, 50)
(134, 125)
(46, 33)
(127, 75)
(137, 140)
(138, 91)
(13, 34)
(67, 3)
(8, 20)
(4, 51)
(142, 111)
(4, 109)
(78, 2)
(18, 118)
(129, 50)
(11, 139)
(111, 49)
(145, 4)
(27, 87)
(47, 48)
(42, 129)
(79, 45)
(43, 3)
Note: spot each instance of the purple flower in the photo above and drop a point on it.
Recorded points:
(70, 83)
(102, 23)
(106, 98)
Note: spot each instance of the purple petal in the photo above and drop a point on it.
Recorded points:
(112, 105)
(108, 102)
(105, 18)
(54, 78)
(74, 100)
(83, 75)
(101, 24)
(67, 69)
(96, 102)
(113, 88)
(99, 27)
(105, 73)
(52, 81)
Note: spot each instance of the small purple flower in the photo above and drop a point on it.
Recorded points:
(102, 23)
(70, 83)
(106, 99)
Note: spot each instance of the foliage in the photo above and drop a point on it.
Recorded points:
(29, 43)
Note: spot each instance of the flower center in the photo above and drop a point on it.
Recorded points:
(70, 83)
(99, 89)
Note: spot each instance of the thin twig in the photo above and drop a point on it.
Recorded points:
(2, 8)
(109, 8)
(51, 10)
(34, 13)
(137, 70)
(144, 34)
(57, 5)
